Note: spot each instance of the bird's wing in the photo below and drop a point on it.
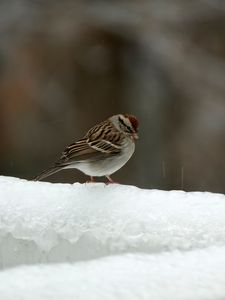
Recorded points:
(101, 141)
(105, 138)
(77, 152)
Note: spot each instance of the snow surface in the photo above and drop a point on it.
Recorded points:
(198, 274)
(134, 243)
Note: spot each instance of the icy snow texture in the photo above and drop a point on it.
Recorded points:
(198, 274)
(44, 222)
(160, 245)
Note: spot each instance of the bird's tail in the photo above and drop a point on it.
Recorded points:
(48, 172)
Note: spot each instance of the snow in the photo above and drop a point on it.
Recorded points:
(198, 274)
(142, 244)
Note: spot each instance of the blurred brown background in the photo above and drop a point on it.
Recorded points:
(66, 65)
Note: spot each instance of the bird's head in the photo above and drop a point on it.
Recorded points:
(126, 123)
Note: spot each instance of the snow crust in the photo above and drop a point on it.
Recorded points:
(109, 242)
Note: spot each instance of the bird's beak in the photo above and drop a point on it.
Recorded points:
(134, 136)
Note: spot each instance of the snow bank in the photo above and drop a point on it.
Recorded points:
(198, 274)
(133, 243)
(44, 222)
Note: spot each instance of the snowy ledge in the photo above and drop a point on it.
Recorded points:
(138, 244)
(44, 222)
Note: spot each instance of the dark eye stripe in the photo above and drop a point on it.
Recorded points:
(127, 127)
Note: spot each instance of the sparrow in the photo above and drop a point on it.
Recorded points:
(102, 151)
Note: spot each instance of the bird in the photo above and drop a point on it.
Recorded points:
(104, 149)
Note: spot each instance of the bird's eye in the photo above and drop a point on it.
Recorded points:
(125, 127)
(129, 129)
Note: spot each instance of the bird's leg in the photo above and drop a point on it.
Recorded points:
(92, 179)
(109, 180)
